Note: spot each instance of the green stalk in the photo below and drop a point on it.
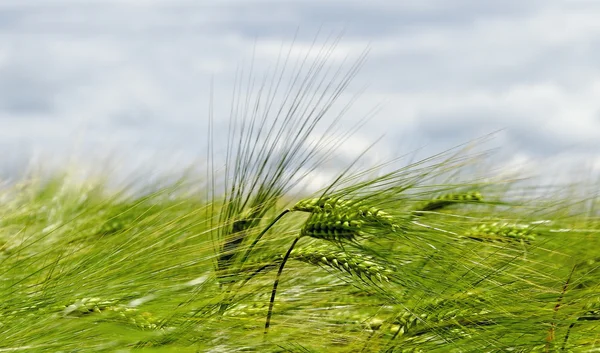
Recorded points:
(264, 231)
(247, 254)
(276, 283)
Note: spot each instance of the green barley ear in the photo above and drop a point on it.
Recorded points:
(446, 200)
(333, 226)
(311, 205)
(355, 209)
(442, 314)
(501, 232)
(357, 265)
(409, 324)
(111, 310)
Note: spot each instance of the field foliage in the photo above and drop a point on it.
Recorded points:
(406, 256)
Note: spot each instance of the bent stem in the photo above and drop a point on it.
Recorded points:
(263, 232)
(551, 331)
(276, 283)
(564, 345)
(246, 255)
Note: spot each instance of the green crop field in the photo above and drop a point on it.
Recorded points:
(405, 256)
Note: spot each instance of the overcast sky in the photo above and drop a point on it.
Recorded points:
(130, 79)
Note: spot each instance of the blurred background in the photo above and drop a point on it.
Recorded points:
(125, 85)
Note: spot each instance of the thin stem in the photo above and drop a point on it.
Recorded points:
(246, 255)
(261, 235)
(564, 345)
(551, 331)
(276, 283)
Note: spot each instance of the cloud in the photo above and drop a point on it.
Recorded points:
(136, 74)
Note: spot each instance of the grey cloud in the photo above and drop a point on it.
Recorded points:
(255, 18)
(519, 130)
(138, 73)
(24, 95)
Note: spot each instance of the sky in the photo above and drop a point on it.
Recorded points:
(129, 81)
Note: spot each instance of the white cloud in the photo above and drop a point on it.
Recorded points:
(137, 72)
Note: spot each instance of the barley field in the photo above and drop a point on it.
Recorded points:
(432, 255)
